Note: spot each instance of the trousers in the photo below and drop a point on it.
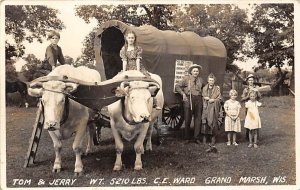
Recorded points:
(196, 112)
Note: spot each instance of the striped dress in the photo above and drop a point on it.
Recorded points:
(232, 107)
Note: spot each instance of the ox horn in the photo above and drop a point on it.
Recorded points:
(71, 87)
(36, 85)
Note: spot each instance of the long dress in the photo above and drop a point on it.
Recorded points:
(211, 111)
(131, 57)
(232, 108)
(252, 120)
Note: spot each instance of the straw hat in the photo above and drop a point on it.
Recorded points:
(250, 76)
(194, 66)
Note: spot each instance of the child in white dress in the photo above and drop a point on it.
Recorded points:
(252, 121)
(232, 121)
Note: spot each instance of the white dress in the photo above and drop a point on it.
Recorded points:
(252, 120)
(232, 107)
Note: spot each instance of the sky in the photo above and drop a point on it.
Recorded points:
(76, 30)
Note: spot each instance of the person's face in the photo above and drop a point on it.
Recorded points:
(252, 97)
(211, 81)
(250, 81)
(233, 96)
(130, 38)
(54, 40)
(195, 72)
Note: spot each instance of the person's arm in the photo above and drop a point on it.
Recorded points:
(123, 58)
(61, 58)
(226, 109)
(50, 57)
(245, 95)
(179, 88)
(238, 111)
(138, 58)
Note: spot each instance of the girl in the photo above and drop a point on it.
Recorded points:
(131, 55)
(232, 121)
(252, 121)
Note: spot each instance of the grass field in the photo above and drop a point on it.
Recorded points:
(171, 161)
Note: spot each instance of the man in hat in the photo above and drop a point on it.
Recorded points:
(190, 87)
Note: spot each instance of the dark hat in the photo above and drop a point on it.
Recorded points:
(194, 66)
(250, 76)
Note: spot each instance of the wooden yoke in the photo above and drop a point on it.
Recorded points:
(95, 95)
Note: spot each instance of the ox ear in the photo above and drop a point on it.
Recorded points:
(70, 87)
(153, 88)
(35, 89)
(35, 92)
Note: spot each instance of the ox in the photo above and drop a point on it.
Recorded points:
(17, 86)
(64, 117)
(134, 115)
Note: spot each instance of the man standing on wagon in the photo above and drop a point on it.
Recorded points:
(190, 87)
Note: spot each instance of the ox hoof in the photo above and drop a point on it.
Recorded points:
(117, 167)
(78, 174)
(56, 170)
(138, 167)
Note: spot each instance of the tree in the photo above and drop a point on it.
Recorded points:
(226, 22)
(28, 22)
(223, 21)
(273, 34)
(157, 15)
(30, 69)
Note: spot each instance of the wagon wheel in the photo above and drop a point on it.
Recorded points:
(173, 116)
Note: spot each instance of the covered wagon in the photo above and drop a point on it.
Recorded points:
(166, 53)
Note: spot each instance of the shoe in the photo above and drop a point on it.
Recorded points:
(228, 143)
(158, 108)
(235, 144)
(255, 146)
(214, 149)
(250, 145)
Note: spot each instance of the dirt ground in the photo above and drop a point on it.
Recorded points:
(167, 163)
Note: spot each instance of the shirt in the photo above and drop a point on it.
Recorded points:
(190, 85)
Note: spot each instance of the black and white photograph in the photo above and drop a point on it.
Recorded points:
(149, 95)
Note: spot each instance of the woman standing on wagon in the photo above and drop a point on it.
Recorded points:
(53, 52)
(131, 55)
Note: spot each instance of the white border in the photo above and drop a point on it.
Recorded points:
(29, 2)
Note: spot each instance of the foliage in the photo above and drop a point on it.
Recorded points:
(273, 34)
(30, 69)
(223, 21)
(28, 22)
(157, 15)
(220, 21)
